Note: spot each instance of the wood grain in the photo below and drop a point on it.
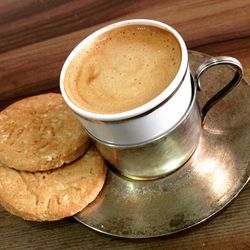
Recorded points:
(35, 68)
(35, 21)
(35, 38)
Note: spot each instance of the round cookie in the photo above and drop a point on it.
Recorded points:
(55, 194)
(40, 133)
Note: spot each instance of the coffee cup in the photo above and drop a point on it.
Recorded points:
(157, 127)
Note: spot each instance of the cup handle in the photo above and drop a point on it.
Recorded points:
(225, 90)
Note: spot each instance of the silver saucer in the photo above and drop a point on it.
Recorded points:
(214, 175)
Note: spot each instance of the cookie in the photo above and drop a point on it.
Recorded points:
(55, 194)
(40, 133)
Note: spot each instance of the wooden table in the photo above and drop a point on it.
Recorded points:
(35, 38)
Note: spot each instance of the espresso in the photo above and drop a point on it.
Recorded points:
(123, 69)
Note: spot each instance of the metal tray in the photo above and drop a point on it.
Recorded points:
(214, 175)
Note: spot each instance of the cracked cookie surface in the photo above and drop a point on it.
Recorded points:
(40, 133)
(54, 194)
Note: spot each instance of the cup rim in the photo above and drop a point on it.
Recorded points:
(166, 93)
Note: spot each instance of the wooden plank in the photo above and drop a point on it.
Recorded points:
(35, 38)
(27, 22)
(36, 68)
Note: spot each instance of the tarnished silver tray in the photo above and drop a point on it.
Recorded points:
(214, 176)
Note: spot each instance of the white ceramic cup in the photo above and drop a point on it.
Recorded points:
(148, 121)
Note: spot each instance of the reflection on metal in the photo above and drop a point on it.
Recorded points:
(160, 156)
(214, 171)
(214, 175)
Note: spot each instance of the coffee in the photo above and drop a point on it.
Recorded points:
(123, 69)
